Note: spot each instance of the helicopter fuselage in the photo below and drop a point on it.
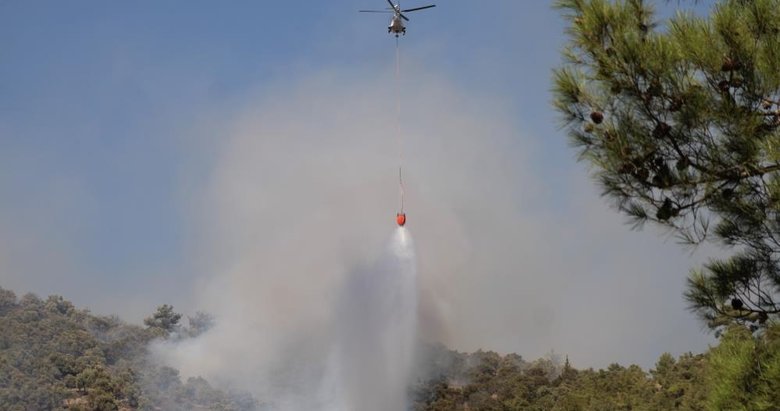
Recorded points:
(396, 26)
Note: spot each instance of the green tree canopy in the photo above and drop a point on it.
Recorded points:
(680, 124)
(164, 319)
(54, 356)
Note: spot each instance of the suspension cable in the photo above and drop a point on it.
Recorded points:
(399, 134)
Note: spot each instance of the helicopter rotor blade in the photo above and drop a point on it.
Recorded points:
(392, 5)
(403, 17)
(418, 8)
(375, 11)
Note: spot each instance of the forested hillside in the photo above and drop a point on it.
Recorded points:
(741, 373)
(54, 356)
(488, 381)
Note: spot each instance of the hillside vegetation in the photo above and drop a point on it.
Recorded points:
(54, 356)
(489, 381)
(741, 373)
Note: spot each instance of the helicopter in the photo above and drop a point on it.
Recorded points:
(396, 24)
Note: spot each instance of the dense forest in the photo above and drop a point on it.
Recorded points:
(55, 356)
(739, 374)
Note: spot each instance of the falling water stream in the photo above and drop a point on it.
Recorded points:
(377, 321)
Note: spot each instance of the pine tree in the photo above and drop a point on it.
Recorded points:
(681, 124)
(164, 319)
(743, 371)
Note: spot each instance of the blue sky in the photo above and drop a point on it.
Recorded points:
(114, 118)
(100, 94)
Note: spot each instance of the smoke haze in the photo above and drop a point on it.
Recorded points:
(185, 156)
(305, 192)
(515, 255)
(358, 355)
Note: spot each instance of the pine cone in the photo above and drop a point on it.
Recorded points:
(661, 130)
(642, 174)
(762, 317)
(683, 163)
(665, 211)
(675, 105)
(731, 65)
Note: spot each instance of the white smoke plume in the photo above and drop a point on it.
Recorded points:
(362, 358)
(302, 197)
